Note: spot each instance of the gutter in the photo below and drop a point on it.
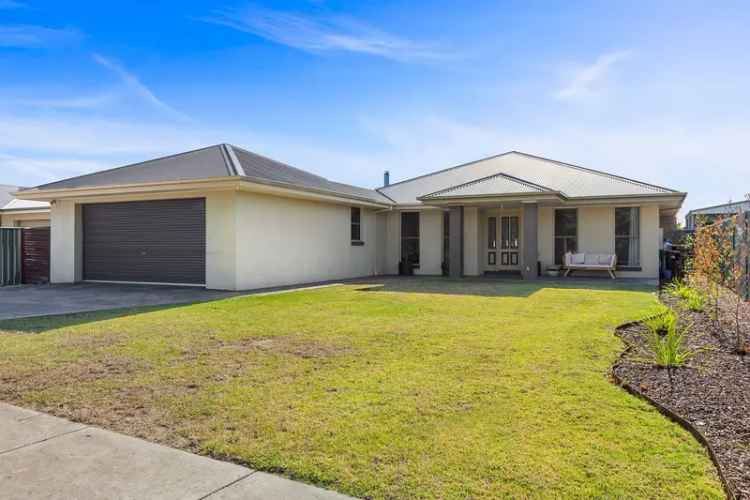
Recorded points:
(212, 184)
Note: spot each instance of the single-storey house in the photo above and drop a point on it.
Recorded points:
(707, 215)
(21, 213)
(227, 218)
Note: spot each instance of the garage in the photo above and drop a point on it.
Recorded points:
(161, 241)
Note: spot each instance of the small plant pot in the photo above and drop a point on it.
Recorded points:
(553, 273)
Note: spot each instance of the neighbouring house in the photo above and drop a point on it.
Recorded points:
(226, 218)
(708, 215)
(21, 213)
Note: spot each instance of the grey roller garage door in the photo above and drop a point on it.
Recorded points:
(145, 241)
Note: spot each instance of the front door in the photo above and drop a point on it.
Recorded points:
(509, 241)
(503, 243)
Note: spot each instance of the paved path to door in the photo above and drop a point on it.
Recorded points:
(44, 457)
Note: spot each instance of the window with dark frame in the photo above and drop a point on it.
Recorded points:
(566, 233)
(627, 236)
(356, 225)
(446, 240)
(410, 238)
(492, 233)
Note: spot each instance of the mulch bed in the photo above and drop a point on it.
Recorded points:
(710, 396)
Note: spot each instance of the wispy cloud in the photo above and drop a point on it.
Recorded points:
(133, 84)
(327, 34)
(11, 4)
(72, 103)
(40, 170)
(28, 36)
(586, 78)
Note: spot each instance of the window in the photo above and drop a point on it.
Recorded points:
(492, 233)
(410, 237)
(627, 236)
(566, 233)
(356, 225)
(446, 240)
(509, 230)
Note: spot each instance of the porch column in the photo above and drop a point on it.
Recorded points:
(456, 242)
(530, 243)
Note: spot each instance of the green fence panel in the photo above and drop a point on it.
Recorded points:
(10, 256)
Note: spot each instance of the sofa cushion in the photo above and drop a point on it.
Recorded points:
(605, 259)
(591, 259)
(577, 258)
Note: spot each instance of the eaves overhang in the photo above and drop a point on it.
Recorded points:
(237, 183)
(481, 199)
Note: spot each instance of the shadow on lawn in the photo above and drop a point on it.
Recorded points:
(488, 286)
(40, 324)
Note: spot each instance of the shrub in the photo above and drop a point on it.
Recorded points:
(667, 341)
(695, 299)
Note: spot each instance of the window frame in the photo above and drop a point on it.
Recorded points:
(565, 238)
(355, 225)
(630, 236)
(492, 232)
(446, 239)
(415, 263)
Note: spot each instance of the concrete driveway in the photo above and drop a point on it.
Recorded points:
(43, 300)
(43, 457)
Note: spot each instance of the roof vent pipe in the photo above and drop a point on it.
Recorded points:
(386, 178)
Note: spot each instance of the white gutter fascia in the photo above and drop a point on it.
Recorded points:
(274, 189)
(214, 183)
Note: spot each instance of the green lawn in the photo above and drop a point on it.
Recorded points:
(418, 389)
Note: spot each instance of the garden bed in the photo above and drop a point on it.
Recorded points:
(710, 395)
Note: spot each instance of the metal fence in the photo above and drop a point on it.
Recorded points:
(10, 256)
(740, 225)
(742, 237)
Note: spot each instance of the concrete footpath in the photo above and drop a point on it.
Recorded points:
(44, 457)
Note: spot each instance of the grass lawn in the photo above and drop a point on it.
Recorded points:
(420, 388)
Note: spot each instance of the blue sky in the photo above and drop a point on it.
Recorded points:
(653, 91)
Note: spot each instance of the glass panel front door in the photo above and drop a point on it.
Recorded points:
(509, 241)
(503, 242)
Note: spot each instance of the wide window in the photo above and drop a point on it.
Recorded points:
(627, 236)
(356, 225)
(410, 237)
(566, 233)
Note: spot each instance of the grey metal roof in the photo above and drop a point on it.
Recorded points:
(726, 208)
(256, 166)
(498, 184)
(193, 165)
(571, 181)
(221, 160)
(16, 204)
(9, 202)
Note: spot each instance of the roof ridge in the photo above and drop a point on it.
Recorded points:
(277, 161)
(594, 171)
(517, 180)
(236, 163)
(446, 169)
(128, 165)
(307, 172)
